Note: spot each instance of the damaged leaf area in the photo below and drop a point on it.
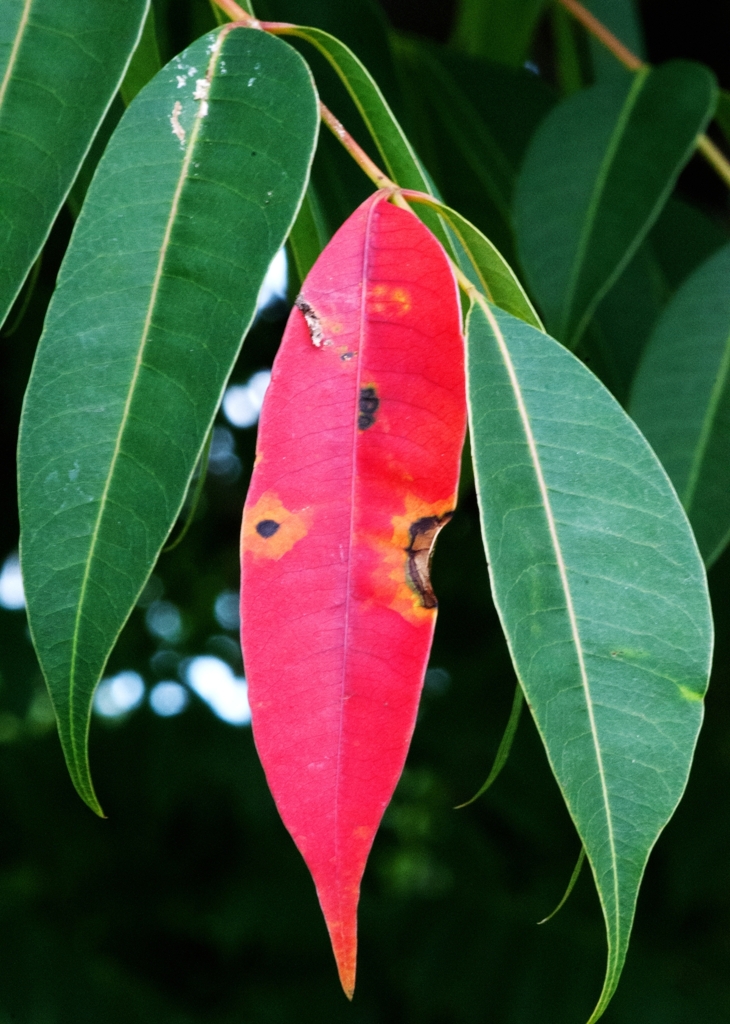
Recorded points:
(357, 469)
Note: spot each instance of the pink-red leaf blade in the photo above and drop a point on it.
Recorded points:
(356, 471)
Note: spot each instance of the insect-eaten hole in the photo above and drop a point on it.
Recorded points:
(422, 535)
(367, 408)
(267, 528)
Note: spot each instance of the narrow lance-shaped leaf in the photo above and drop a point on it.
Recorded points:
(356, 472)
(595, 178)
(60, 66)
(194, 195)
(472, 121)
(399, 157)
(681, 399)
(601, 593)
(484, 265)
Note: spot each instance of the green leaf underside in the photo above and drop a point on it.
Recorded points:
(681, 399)
(601, 593)
(190, 202)
(596, 176)
(621, 18)
(60, 66)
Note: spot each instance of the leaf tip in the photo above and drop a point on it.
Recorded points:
(343, 935)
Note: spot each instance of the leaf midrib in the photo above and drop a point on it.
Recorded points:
(351, 537)
(12, 60)
(596, 197)
(144, 337)
(535, 458)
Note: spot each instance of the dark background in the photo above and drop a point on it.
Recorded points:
(191, 904)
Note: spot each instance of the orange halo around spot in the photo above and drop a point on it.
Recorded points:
(292, 527)
(390, 580)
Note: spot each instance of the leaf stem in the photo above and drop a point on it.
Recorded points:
(358, 154)
(603, 35)
(714, 156)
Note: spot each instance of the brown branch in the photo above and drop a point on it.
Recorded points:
(602, 34)
(355, 150)
(715, 157)
(706, 147)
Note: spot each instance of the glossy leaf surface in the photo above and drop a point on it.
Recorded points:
(601, 593)
(357, 468)
(60, 66)
(194, 195)
(596, 175)
(681, 399)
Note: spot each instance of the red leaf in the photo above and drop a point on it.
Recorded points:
(356, 471)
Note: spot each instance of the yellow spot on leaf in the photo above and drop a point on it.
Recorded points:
(270, 530)
(388, 300)
(689, 694)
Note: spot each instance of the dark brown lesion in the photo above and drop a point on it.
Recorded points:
(313, 322)
(367, 408)
(267, 528)
(422, 535)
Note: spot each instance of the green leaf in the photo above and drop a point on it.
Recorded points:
(681, 399)
(472, 122)
(682, 238)
(596, 175)
(500, 30)
(622, 323)
(619, 17)
(571, 885)
(400, 160)
(503, 750)
(570, 60)
(612, 345)
(485, 267)
(145, 62)
(60, 66)
(360, 25)
(192, 198)
(601, 593)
